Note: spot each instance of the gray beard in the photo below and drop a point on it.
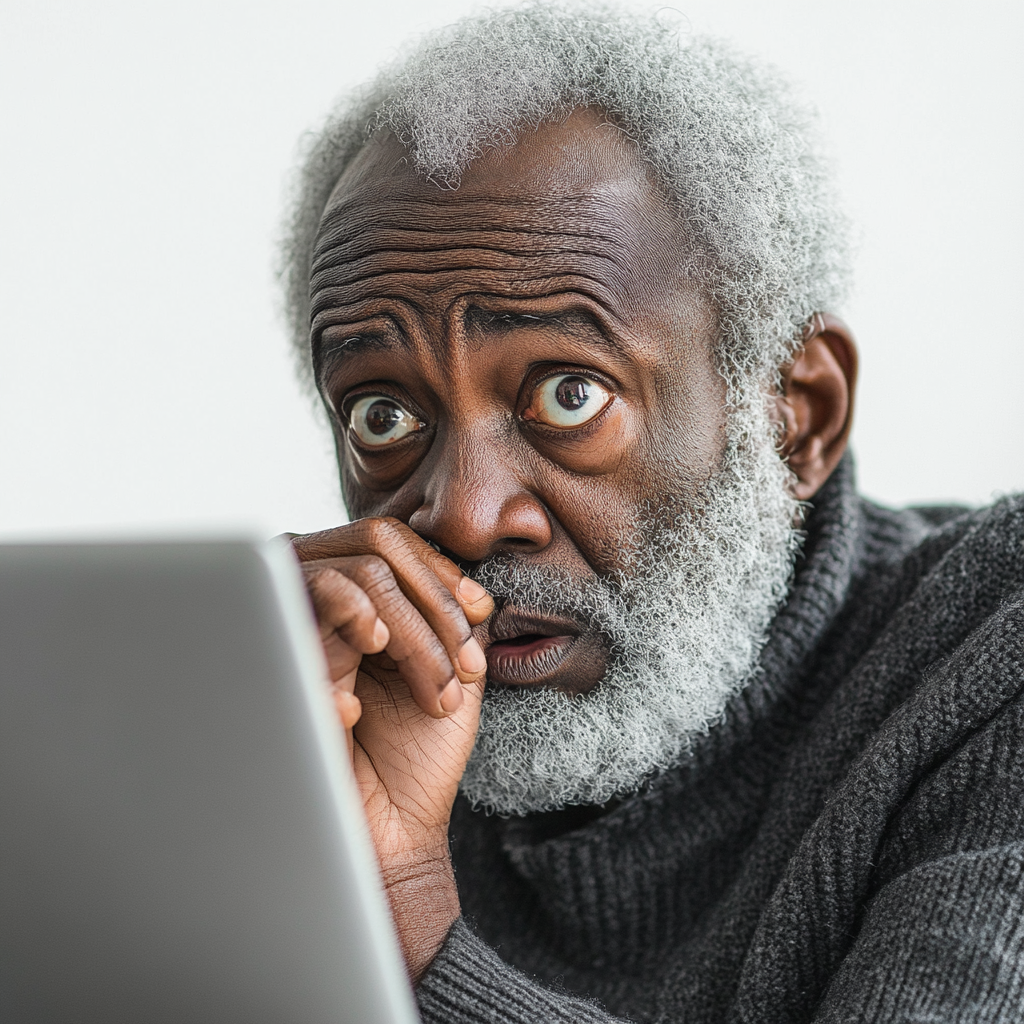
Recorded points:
(685, 621)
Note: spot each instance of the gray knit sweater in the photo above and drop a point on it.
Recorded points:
(846, 846)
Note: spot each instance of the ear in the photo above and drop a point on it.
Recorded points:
(815, 406)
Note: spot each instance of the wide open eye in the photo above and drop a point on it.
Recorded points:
(378, 420)
(568, 400)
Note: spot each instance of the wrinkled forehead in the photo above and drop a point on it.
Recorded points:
(570, 206)
(578, 181)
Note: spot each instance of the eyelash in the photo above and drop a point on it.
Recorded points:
(343, 415)
(532, 384)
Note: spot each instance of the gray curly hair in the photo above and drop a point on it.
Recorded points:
(732, 148)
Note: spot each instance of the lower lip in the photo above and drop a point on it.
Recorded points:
(529, 664)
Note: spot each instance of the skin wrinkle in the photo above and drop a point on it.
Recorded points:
(478, 321)
(586, 265)
(722, 139)
(337, 225)
(331, 308)
(628, 283)
(592, 200)
(533, 239)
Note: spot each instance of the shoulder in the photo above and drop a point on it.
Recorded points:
(931, 576)
(924, 536)
(941, 689)
(951, 606)
(925, 669)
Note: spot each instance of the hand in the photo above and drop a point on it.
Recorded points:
(396, 622)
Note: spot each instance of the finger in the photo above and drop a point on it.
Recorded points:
(344, 609)
(419, 654)
(419, 569)
(347, 705)
(443, 614)
(349, 708)
(428, 579)
(349, 624)
(404, 550)
(477, 604)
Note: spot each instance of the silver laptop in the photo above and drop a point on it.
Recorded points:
(180, 837)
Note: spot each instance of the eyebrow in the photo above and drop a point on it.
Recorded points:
(577, 323)
(329, 353)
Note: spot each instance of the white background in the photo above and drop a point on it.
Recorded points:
(145, 381)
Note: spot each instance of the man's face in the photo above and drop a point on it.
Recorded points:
(518, 366)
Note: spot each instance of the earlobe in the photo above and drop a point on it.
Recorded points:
(815, 406)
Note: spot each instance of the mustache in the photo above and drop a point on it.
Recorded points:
(594, 602)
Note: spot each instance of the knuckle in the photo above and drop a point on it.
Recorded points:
(408, 622)
(336, 598)
(385, 531)
(324, 544)
(416, 637)
(356, 602)
(378, 530)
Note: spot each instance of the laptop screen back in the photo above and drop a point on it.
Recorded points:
(180, 839)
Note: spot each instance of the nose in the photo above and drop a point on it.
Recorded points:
(476, 504)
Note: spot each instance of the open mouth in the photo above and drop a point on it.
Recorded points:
(527, 649)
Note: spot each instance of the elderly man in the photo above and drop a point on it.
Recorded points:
(654, 718)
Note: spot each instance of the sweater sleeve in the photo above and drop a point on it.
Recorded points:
(468, 983)
(943, 942)
(905, 899)
(941, 937)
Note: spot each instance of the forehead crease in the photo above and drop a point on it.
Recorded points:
(438, 270)
(372, 220)
(394, 244)
(364, 238)
(435, 206)
(426, 251)
(456, 223)
(336, 306)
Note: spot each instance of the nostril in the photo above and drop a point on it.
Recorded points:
(517, 544)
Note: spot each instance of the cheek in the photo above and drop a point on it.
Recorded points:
(601, 516)
(601, 450)
(686, 434)
(603, 522)
(681, 461)
(655, 476)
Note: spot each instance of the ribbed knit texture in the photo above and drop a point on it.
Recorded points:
(846, 846)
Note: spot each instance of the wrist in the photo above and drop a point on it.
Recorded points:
(424, 905)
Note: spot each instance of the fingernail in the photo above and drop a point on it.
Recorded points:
(451, 696)
(470, 591)
(471, 657)
(381, 634)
